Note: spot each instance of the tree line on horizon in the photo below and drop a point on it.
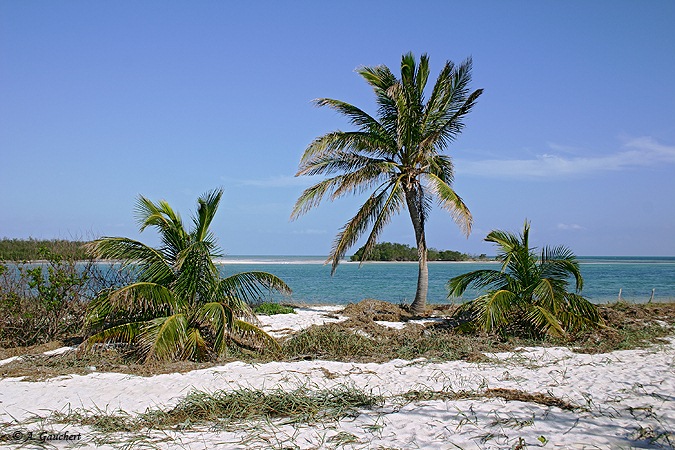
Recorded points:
(32, 249)
(391, 251)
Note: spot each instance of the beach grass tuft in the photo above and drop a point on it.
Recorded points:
(227, 408)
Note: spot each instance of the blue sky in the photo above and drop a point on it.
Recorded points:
(103, 101)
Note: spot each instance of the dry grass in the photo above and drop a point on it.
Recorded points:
(503, 393)
(361, 339)
(628, 326)
(228, 408)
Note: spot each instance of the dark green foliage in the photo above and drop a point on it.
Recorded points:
(388, 251)
(180, 307)
(447, 255)
(33, 249)
(271, 309)
(529, 295)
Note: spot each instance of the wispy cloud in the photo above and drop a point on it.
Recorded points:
(569, 227)
(310, 231)
(637, 152)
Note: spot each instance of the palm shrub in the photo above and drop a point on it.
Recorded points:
(529, 293)
(179, 307)
(396, 155)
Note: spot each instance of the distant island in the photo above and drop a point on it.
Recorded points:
(389, 251)
(32, 249)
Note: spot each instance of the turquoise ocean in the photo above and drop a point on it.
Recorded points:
(395, 282)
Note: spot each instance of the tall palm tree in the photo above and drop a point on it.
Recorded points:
(396, 155)
(528, 290)
(179, 306)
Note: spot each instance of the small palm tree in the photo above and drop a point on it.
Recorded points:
(396, 155)
(179, 307)
(528, 291)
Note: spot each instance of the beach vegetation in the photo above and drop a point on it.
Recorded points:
(179, 307)
(227, 408)
(529, 293)
(260, 413)
(388, 251)
(363, 338)
(272, 309)
(32, 249)
(396, 155)
(46, 301)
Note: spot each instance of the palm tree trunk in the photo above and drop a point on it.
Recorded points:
(419, 304)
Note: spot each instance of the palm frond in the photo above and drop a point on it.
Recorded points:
(138, 299)
(125, 333)
(208, 206)
(478, 279)
(167, 221)
(357, 225)
(251, 286)
(196, 346)
(197, 274)
(251, 331)
(544, 321)
(436, 105)
(337, 142)
(358, 117)
(219, 318)
(547, 295)
(560, 262)
(491, 311)
(392, 206)
(580, 313)
(451, 202)
(508, 244)
(378, 77)
(345, 161)
(163, 338)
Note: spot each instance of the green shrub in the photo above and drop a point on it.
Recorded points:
(46, 301)
(271, 309)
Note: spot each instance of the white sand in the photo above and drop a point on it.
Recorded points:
(283, 324)
(627, 398)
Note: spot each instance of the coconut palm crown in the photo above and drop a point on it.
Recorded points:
(396, 156)
(529, 292)
(179, 307)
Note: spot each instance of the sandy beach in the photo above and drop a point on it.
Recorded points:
(623, 399)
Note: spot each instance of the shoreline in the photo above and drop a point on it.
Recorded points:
(316, 259)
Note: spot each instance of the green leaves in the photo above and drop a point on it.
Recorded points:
(180, 307)
(528, 291)
(395, 154)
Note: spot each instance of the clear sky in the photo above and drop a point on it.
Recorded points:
(103, 101)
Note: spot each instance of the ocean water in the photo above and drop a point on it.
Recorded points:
(395, 282)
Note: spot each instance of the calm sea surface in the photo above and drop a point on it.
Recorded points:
(396, 282)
